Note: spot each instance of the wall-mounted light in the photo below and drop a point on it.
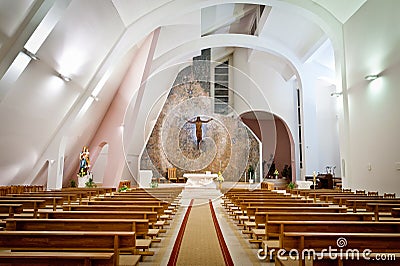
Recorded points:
(337, 94)
(94, 97)
(371, 77)
(30, 54)
(65, 78)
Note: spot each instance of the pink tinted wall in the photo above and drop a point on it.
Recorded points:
(111, 129)
(275, 140)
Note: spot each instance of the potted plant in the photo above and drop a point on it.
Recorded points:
(123, 188)
(90, 183)
(291, 185)
(154, 184)
(72, 183)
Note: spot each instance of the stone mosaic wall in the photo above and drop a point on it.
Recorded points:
(227, 144)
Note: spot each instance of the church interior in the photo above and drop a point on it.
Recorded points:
(219, 132)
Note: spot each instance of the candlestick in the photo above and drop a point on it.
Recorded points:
(314, 178)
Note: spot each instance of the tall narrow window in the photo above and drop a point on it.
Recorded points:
(221, 88)
(300, 128)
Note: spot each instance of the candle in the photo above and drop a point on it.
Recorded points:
(314, 178)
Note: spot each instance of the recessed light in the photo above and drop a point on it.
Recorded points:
(30, 54)
(371, 77)
(65, 78)
(337, 94)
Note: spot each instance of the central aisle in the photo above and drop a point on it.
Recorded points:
(193, 237)
(200, 244)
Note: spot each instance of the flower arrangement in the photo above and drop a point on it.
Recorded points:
(123, 188)
(153, 184)
(276, 173)
(220, 178)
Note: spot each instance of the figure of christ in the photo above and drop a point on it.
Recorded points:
(199, 131)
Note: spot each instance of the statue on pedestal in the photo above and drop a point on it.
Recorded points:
(84, 162)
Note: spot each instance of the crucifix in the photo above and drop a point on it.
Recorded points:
(199, 130)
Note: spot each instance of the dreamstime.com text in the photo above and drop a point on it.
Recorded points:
(329, 253)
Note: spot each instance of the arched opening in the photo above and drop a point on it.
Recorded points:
(277, 143)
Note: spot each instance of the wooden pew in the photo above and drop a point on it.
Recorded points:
(376, 242)
(54, 201)
(140, 208)
(277, 228)
(252, 210)
(362, 202)
(306, 192)
(11, 208)
(139, 226)
(378, 207)
(164, 204)
(47, 214)
(233, 204)
(244, 206)
(349, 200)
(263, 217)
(324, 195)
(114, 198)
(57, 258)
(68, 240)
(330, 197)
(396, 212)
(133, 198)
(67, 197)
(99, 190)
(34, 204)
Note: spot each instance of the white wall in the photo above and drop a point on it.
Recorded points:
(321, 145)
(264, 89)
(327, 129)
(372, 46)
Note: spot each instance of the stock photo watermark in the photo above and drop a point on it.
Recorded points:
(332, 253)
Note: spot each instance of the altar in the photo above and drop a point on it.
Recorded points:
(200, 180)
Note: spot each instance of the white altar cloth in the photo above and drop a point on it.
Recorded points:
(304, 184)
(200, 180)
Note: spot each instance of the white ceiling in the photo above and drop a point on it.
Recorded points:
(341, 9)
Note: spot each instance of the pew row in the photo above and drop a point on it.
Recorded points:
(345, 242)
(11, 208)
(139, 226)
(115, 242)
(58, 258)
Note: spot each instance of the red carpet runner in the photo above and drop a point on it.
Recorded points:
(175, 250)
(221, 240)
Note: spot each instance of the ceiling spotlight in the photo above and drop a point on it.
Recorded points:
(65, 78)
(30, 54)
(337, 94)
(371, 77)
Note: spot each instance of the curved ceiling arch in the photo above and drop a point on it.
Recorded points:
(229, 40)
(142, 26)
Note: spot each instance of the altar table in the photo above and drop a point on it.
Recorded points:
(200, 180)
